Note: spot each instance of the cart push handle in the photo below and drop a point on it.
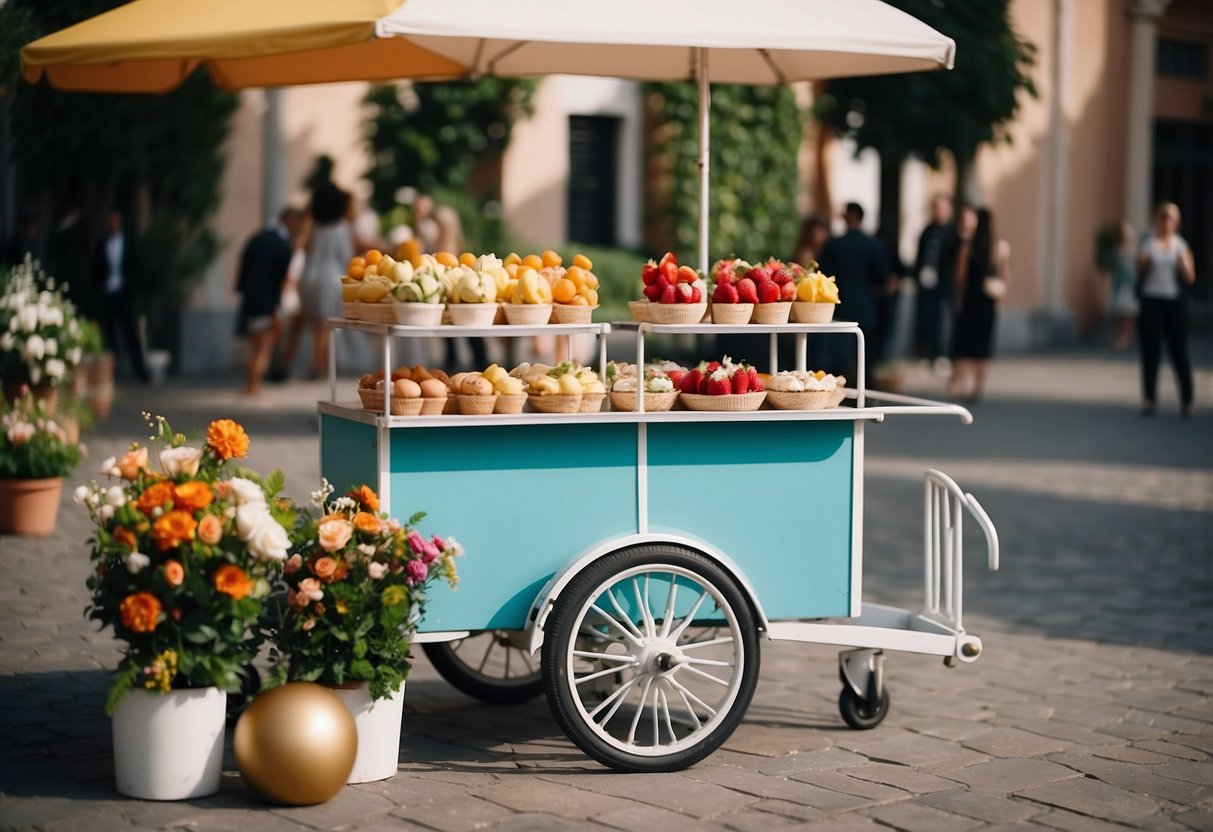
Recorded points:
(943, 544)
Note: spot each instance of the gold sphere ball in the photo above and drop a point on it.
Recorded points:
(296, 744)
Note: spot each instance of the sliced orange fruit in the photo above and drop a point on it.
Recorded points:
(582, 262)
(534, 261)
(551, 258)
(564, 290)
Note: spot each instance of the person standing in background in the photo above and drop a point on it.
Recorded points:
(858, 262)
(1166, 271)
(981, 269)
(934, 298)
(114, 282)
(814, 234)
(264, 265)
(426, 226)
(1123, 264)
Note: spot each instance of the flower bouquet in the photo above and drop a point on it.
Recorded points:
(355, 588)
(184, 559)
(35, 455)
(41, 339)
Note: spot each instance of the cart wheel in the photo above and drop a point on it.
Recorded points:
(650, 659)
(858, 712)
(489, 666)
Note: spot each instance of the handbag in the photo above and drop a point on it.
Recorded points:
(994, 287)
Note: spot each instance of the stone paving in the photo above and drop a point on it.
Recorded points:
(1090, 709)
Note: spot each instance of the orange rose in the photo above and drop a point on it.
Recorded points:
(126, 537)
(174, 573)
(365, 497)
(173, 528)
(210, 529)
(231, 580)
(367, 522)
(155, 496)
(227, 439)
(324, 568)
(193, 495)
(131, 463)
(333, 533)
(140, 612)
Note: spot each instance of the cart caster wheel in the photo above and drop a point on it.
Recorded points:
(858, 712)
(650, 658)
(488, 666)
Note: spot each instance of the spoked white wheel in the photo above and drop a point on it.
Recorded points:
(650, 658)
(492, 666)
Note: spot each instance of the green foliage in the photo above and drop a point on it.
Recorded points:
(432, 135)
(755, 135)
(921, 114)
(103, 151)
(32, 445)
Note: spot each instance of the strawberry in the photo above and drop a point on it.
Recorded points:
(696, 294)
(781, 276)
(787, 291)
(668, 257)
(669, 271)
(719, 384)
(756, 385)
(703, 385)
(724, 293)
(723, 272)
(687, 275)
(711, 367)
(768, 292)
(747, 292)
(684, 293)
(741, 380)
(690, 382)
(676, 376)
(653, 292)
(668, 295)
(759, 274)
(648, 273)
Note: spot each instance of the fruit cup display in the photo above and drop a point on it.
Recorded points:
(727, 305)
(722, 385)
(476, 396)
(816, 298)
(511, 391)
(805, 390)
(415, 391)
(677, 294)
(660, 393)
(566, 388)
(574, 290)
(471, 294)
(367, 288)
(769, 286)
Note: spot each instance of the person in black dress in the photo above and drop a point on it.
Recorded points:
(264, 263)
(861, 267)
(978, 263)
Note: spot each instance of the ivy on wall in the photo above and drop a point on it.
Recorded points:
(755, 135)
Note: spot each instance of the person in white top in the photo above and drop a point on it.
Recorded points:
(1165, 271)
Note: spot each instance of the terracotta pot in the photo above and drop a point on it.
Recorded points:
(100, 385)
(29, 507)
(46, 394)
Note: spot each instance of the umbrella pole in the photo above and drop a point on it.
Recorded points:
(701, 70)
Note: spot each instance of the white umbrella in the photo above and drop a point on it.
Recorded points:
(726, 41)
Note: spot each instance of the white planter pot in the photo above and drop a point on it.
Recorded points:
(378, 724)
(169, 746)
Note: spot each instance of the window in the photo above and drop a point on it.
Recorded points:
(1182, 58)
(593, 148)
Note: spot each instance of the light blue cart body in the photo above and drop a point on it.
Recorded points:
(525, 500)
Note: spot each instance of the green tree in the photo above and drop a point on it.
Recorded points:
(923, 114)
(755, 135)
(158, 157)
(431, 136)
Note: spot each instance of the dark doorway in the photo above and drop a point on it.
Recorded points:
(593, 153)
(1183, 174)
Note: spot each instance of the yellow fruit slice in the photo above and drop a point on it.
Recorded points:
(511, 259)
(534, 261)
(582, 262)
(447, 259)
(467, 259)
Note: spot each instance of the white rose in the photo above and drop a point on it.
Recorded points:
(35, 347)
(55, 368)
(80, 494)
(177, 461)
(52, 346)
(136, 562)
(27, 319)
(265, 537)
(110, 467)
(106, 512)
(6, 341)
(115, 496)
(74, 355)
(247, 491)
(35, 374)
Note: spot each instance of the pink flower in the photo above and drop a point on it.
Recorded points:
(417, 571)
(310, 588)
(292, 564)
(428, 551)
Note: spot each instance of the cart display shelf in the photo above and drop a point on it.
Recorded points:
(644, 556)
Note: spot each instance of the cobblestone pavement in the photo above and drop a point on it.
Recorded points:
(1091, 707)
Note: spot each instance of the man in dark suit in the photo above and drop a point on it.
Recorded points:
(862, 270)
(114, 282)
(263, 270)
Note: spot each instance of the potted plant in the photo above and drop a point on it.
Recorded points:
(41, 337)
(183, 560)
(35, 455)
(355, 588)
